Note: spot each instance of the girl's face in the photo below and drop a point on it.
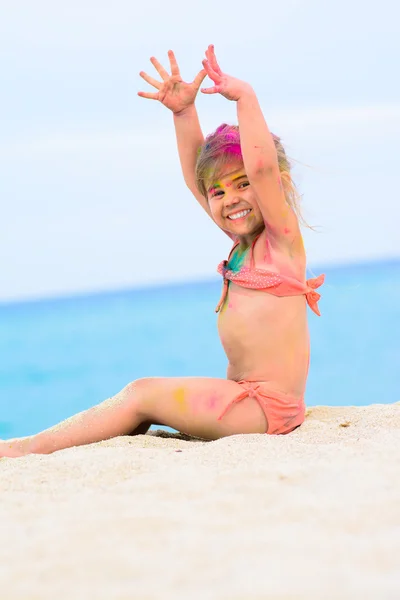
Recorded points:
(234, 207)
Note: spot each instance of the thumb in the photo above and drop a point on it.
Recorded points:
(200, 78)
(212, 90)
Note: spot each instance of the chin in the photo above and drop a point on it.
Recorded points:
(247, 229)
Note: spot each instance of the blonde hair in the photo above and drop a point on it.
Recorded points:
(222, 148)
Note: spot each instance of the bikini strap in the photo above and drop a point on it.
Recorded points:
(252, 251)
(232, 249)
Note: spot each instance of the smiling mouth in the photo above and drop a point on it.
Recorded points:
(239, 215)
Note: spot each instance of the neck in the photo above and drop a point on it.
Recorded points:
(245, 241)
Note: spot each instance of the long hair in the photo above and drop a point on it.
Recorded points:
(222, 148)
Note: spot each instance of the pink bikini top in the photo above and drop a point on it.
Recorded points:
(268, 281)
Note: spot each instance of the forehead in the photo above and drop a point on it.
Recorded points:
(225, 180)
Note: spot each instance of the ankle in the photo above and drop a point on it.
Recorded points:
(40, 444)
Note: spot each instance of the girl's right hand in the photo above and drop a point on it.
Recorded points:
(173, 92)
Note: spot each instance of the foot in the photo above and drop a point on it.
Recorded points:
(14, 448)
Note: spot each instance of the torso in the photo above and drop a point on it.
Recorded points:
(266, 337)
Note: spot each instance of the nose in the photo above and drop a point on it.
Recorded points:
(231, 200)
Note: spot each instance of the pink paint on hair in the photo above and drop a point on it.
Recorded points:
(234, 149)
(229, 149)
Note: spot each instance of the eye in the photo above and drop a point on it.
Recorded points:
(245, 183)
(217, 193)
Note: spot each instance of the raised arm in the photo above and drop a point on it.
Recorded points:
(179, 97)
(189, 138)
(262, 168)
(258, 150)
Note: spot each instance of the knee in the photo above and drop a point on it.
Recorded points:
(139, 390)
(137, 386)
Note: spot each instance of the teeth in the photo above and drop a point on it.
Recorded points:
(238, 215)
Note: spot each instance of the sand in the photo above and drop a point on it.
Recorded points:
(314, 514)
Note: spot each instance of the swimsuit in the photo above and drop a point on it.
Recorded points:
(282, 411)
(269, 281)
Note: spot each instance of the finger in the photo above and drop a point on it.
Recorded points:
(210, 72)
(150, 80)
(174, 65)
(212, 90)
(160, 69)
(213, 59)
(200, 78)
(149, 95)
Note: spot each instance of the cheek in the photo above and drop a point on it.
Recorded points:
(256, 209)
(215, 209)
(211, 206)
(251, 198)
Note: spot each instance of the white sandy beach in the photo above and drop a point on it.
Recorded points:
(311, 515)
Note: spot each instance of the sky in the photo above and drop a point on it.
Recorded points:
(92, 197)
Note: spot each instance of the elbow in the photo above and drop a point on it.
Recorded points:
(261, 170)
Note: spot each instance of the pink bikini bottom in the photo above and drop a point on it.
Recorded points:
(283, 413)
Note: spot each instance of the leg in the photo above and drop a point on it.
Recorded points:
(113, 417)
(191, 405)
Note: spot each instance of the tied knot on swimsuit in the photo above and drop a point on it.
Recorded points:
(312, 296)
(252, 392)
(277, 284)
(223, 267)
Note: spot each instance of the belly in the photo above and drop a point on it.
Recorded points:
(265, 338)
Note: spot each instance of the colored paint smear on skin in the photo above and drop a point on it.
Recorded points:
(285, 212)
(237, 259)
(215, 188)
(298, 244)
(225, 304)
(212, 401)
(179, 396)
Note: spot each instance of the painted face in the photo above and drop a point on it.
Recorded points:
(234, 206)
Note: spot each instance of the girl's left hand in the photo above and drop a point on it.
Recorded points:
(227, 86)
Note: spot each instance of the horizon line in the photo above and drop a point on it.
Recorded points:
(146, 287)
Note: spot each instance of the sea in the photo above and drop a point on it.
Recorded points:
(60, 356)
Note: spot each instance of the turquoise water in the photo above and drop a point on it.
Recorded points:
(58, 357)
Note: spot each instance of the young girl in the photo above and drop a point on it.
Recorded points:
(241, 177)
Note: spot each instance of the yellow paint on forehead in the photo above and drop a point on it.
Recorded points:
(231, 177)
(179, 396)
